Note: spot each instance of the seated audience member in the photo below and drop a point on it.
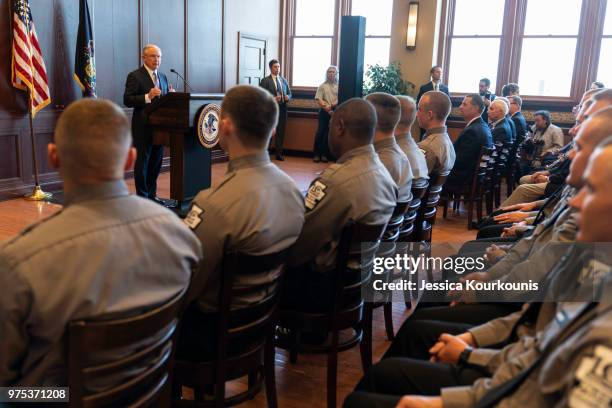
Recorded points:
(472, 138)
(406, 142)
(395, 161)
(522, 129)
(546, 139)
(486, 95)
(597, 85)
(508, 119)
(500, 128)
(434, 108)
(537, 343)
(256, 209)
(510, 89)
(357, 187)
(105, 252)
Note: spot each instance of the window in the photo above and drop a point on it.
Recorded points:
(475, 43)
(604, 70)
(312, 41)
(546, 46)
(312, 33)
(378, 29)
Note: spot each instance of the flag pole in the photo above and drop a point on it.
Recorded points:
(38, 194)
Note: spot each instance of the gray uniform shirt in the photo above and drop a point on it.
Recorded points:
(256, 209)
(356, 187)
(105, 252)
(398, 166)
(439, 150)
(418, 164)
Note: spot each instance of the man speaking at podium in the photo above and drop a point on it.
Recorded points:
(141, 88)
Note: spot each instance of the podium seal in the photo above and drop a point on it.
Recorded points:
(208, 125)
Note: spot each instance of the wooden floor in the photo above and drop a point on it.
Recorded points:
(301, 385)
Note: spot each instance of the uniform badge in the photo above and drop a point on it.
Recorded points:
(594, 388)
(208, 125)
(194, 218)
(315, 194)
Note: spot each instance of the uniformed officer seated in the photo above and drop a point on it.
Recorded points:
(256, 209)
(434, 108)
(356, 187)
(406, 142)
(558, 351)
(394, 159)
(105, 252)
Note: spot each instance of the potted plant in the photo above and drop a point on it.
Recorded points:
(387, 79)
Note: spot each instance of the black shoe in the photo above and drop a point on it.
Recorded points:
(324, 159)
(280, 158)
(159, 201)
(316, 159)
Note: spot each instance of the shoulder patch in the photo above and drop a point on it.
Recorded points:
(194, 217)
(315, 194)
(594, 385)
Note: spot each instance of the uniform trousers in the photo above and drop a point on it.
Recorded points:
(525, 193)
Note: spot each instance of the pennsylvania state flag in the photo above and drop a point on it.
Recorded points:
(84, 61)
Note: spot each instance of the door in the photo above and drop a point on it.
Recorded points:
(252, 58)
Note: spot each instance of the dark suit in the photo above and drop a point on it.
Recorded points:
(268, 84)
(467, 150)
(149, 159)
(502, 133)
(426, 88)
(512, 127)
(521, 125)
(485, 113)
(429, 87)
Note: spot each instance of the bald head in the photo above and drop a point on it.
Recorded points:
(407, 113)
(92, 140)
(387, 111)
(352, 125)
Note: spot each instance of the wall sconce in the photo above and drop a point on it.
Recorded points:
(413, 18)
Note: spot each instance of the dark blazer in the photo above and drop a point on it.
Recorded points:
(521, 125)
(429, 87)
(268, 84)
(468, 145)
(485, 113)
(502, 133)
(512, 127)
(137, 84)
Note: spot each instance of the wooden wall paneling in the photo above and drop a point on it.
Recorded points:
(204, 46)
(162, 24)
(10, 165)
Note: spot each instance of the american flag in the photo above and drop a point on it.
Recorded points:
(28, 68)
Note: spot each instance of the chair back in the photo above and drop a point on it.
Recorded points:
(144, 343)
(426, 216)
(480, 172)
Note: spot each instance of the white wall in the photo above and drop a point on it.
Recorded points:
(257, 17)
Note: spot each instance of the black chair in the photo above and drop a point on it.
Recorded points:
(101, 350)
(256, 323)
(347, 308)
(389, 241)
(426, 215)
(472, 192)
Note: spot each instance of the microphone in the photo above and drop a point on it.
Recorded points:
(180, 76)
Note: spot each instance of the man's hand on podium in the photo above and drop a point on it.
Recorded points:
(154, 93)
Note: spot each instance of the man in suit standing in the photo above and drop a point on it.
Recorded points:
(434, 85)
(142, 87)
(487, 96)
(279, 88)
(474, 136)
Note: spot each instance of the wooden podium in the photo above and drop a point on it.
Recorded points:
(173, 119)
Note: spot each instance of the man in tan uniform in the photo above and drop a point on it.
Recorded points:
(105, 252)
(256, 209)
(395, 161)
(356, 187)
(434, 108)
(406, 142)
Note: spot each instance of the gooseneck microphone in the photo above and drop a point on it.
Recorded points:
(180, 76)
